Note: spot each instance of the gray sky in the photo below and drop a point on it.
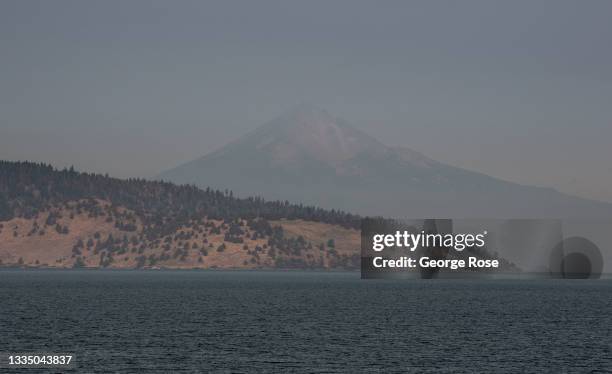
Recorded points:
(520, 90)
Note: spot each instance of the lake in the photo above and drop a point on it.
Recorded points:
(248, 321)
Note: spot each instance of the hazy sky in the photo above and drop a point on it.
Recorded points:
(520, 90)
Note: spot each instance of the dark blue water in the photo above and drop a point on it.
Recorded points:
(306, 322)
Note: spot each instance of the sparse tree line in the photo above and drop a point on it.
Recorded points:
(27, 188)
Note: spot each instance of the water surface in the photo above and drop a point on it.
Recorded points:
(215, 321)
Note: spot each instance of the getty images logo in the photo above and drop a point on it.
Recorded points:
(412, 241)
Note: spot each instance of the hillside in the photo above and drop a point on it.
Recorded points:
(63, 218)
(67, 219)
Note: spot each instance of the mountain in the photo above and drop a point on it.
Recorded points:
(312, 157)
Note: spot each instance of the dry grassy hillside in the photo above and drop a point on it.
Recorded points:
(95, 233)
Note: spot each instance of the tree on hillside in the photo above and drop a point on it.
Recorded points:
(6, 213)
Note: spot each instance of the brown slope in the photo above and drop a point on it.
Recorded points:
(199, 244)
